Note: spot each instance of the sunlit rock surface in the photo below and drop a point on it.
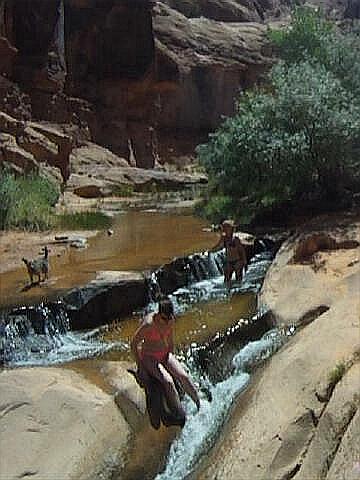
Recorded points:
(54, 423)
(288, 427)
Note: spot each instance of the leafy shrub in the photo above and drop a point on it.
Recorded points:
(297, 140)
(337, 373)
(217, 207)
(311, 38)
(304, 38)
(26, 202)
(289, 144)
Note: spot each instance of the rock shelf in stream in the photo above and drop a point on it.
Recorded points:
(110, 295)
(214, 357)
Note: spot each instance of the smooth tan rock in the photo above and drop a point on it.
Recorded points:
(294, 442)
(263, 443)
(346, 465)
(91, 156)
(333, 422)
(55, 424)
(128, 396)
(319, 282)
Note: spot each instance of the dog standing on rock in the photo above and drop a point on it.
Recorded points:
(38, 267)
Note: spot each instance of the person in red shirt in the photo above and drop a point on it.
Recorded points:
(152, 347)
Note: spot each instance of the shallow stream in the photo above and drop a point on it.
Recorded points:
(219, 334)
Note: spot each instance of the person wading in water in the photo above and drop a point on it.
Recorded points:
(235, 255)
(152, 347)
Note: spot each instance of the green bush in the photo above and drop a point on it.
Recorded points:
(297, 140)
(216, 207)
(287, 145)
(304, 38)
(26, 202)
(337, 373)
(311, 38)
(88, 220)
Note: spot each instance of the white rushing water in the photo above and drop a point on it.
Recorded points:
(208, 281)
(70, 346)
(42, 336)
(201, 428)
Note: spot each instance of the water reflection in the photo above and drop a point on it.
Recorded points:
(141, 240)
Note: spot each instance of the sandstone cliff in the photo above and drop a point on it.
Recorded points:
(147, 80)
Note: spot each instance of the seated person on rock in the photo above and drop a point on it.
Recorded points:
(152, 347)
(235, 255)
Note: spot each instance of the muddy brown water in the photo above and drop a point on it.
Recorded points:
(197, 325)
(141, 240)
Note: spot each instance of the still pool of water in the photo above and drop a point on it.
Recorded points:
(141, 240)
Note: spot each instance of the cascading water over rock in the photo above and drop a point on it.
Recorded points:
(40, 335)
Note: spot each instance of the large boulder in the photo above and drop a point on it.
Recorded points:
(109, 296)
(301, 282)
(56, 424)
(128, 396)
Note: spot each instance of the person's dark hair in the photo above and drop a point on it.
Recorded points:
(166, 307)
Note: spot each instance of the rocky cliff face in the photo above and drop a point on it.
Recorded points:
(148, 80)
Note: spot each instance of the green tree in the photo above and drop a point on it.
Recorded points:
(310, 37)
(294, 143)
(297, 140)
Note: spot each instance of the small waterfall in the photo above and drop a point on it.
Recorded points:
(40, 335)
(208, 283)
(186, 280)
(201, 428)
